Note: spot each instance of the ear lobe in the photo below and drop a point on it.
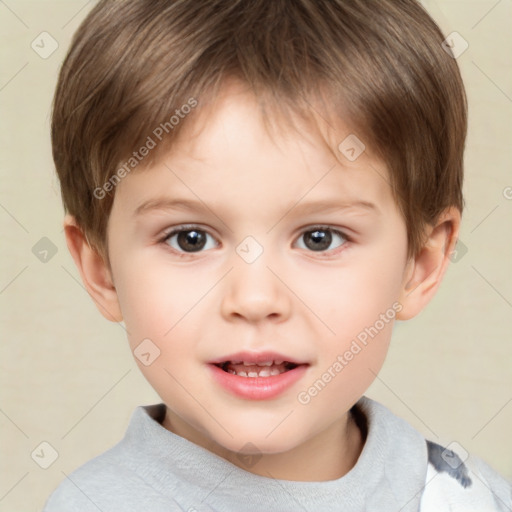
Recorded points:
(95, 273)
(425, 271)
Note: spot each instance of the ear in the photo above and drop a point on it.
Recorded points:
(95, 273)
(425, 271)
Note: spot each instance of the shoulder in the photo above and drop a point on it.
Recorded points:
(116, 480)
(105, 484)
(443, 478)
(457, 481)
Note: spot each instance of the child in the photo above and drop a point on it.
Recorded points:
(204, 149)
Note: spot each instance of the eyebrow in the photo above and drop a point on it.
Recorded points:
(166, 203)
(335, 205)
(325, 206)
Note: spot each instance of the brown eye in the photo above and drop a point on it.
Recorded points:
(188, 240)
(320, 239)
(191, 240)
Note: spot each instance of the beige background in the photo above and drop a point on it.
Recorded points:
(67, 376)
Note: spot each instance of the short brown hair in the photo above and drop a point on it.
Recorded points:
(380, 63)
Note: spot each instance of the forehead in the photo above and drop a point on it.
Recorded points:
(231, 153)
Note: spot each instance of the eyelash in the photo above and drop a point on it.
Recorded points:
(191, 227)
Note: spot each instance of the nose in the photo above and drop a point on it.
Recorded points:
(255, 293)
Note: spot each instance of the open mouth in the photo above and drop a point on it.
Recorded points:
(257, 376)
(253, 370)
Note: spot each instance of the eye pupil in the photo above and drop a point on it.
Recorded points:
(194, 240)
(321, 238)
(191, 240)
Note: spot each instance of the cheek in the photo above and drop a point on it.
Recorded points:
(359, 304)
(351, 298)
(165, 306)
(349, 360)
(149, 301)
(160, 311)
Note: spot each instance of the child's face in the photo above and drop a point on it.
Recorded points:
(306, 297)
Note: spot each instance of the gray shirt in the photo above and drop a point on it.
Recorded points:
(151, 469)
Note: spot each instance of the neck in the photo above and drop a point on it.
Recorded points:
(328, 455)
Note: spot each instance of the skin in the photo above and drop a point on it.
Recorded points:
(304, 303)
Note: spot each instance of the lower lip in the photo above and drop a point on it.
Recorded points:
(257, 388)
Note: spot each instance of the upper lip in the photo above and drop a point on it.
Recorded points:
(257, 357)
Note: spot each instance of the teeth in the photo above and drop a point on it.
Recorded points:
(253, 370)
(266, 372)
(264, 363)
